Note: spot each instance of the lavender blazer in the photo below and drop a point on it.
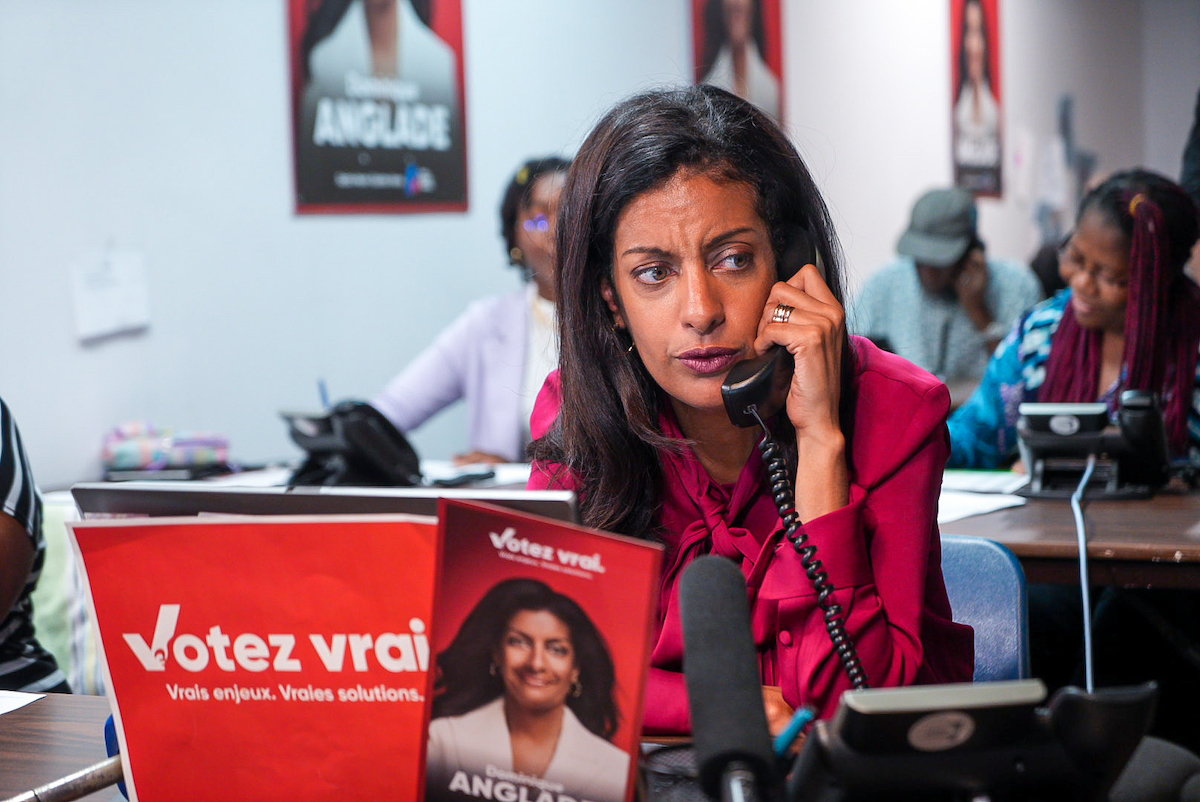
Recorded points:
(480, 357)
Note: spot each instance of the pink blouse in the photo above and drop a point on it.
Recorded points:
(882, 551)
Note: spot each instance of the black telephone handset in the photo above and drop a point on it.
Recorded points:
(753, 391)
(1147, 460)
(762, 382)
(353, 444)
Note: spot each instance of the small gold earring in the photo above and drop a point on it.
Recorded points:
(515, 255)
(577, 689)
(618, 328)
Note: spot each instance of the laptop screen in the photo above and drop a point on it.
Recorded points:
(156, 499)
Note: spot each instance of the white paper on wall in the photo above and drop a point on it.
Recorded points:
(109, 294)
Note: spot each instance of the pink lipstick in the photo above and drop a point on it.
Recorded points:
(707, 361)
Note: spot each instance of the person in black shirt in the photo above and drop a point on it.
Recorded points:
(24, 664)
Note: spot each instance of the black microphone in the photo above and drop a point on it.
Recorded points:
(729, 721)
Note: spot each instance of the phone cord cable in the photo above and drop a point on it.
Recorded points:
(785, 502)
(1085, 590)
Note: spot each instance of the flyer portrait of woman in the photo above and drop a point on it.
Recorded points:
(525, 695)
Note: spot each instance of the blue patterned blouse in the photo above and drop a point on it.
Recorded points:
(983, 431)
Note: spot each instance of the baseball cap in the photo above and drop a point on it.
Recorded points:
(942, 228)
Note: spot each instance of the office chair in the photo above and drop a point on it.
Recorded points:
(986, 586)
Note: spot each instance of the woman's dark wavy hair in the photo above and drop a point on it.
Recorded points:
(1162, 327)
(464, 679)
(607, 433)
(516, 196)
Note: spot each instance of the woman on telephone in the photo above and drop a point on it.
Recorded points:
(497, 353)
(1127, 320)
(674, 236)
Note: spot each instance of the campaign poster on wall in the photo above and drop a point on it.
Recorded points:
(738, 45)
(378, 105)
(265, 658)
(977, 104)
(541, 645)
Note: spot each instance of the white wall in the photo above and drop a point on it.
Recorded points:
(869, 96)
(1171, 79)
(162, 126)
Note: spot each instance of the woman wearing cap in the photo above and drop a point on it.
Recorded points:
(1126, 321)
(498, 353)
(944, 304)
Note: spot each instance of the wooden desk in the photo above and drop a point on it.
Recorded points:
(1149, 543)
(50, 738)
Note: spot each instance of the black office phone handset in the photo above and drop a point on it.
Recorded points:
(352, 444)
(756, 389)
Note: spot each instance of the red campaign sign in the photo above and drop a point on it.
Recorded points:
(539, 627)
(280, 658)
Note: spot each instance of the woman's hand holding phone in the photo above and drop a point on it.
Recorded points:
(812, 333)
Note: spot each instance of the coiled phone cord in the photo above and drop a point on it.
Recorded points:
(785, 502)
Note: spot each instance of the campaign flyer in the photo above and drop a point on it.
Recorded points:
(378, 105)
(265, 658)
(541, 647)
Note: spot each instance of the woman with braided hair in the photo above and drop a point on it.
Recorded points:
(1128, 320)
